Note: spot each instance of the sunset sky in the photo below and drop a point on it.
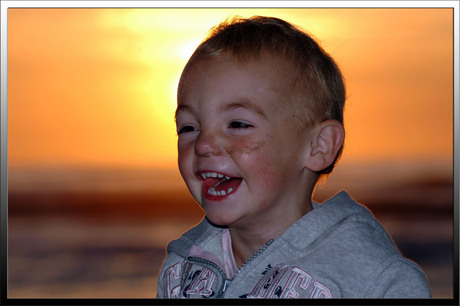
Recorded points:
(96, 87)
(91, 97)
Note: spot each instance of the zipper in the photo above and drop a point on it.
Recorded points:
(260, 251)
(203, 261)
(227, 281)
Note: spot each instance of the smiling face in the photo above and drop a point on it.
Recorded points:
(241, 145)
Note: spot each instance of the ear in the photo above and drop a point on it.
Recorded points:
(327, 139)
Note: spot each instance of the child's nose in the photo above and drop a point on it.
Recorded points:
(207, 145)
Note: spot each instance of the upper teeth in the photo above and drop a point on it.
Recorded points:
(205, 175)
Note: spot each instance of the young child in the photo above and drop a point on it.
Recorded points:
(259, 120)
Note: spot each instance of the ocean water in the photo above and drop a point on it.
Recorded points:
(77, 258)
(71, 258)
(80, 234)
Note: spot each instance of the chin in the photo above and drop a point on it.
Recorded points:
(218, 220)
(217, 223)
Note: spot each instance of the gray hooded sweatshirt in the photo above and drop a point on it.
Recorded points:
(337, 250)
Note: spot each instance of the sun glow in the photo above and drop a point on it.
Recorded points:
(98, 86)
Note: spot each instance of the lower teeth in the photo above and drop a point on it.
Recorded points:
(214, 192)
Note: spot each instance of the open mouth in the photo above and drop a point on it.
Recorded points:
(217, 185)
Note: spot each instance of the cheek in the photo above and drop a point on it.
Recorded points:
(184, 160)
(255, 156)
(248, 149)
(269, 160)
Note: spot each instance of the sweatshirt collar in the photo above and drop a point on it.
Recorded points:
(323, 217)
(301, 234)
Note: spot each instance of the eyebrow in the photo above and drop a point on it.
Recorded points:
(184, 108)
(225, 108)
(246, 105)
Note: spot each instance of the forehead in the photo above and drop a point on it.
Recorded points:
(222, 77)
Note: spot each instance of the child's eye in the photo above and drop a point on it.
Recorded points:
(239, 125)
(186, 129)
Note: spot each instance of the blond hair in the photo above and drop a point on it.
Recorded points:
(317, 76)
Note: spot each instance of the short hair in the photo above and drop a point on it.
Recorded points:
(316, 75)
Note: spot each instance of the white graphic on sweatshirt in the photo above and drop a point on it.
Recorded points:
(202, 284)
(298, 279)
(171, 274)
(296, 283)
(277, 282)
(320, 291)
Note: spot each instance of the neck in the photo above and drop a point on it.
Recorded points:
(246, 240)
(245, 246)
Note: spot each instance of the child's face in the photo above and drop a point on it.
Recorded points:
(238, 121)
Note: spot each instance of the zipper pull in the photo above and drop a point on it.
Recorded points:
(226, 283)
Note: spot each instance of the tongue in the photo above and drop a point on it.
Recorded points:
(211, 181)
(226, 184)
